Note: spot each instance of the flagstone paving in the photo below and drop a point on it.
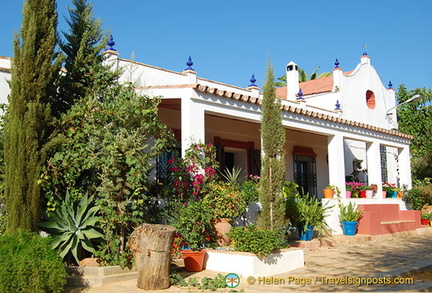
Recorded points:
(407, 256)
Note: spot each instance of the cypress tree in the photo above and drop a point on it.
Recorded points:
(83, 45)
(273, 163)
(35, 69)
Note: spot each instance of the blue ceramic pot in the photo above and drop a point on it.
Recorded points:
(349, 228)
(306, 233)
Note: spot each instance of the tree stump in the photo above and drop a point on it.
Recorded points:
(151, 247)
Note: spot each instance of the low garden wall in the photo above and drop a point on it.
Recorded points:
(248, 264)
(93, 276)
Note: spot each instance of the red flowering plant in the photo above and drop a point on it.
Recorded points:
(388, 186)
(355, 187)
(185, 210)
(192, 174)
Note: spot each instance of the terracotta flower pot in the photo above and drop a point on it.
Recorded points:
(194, 260)
(328, 193)
(222, 227)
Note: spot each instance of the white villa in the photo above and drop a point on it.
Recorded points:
(333, 124)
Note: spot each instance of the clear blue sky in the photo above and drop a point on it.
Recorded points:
(231, 39)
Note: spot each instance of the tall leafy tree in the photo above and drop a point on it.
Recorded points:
(108, 146)
(82, 45)
(84, 75)
(273, 163)
(107, 137)
(416, 118)
(35, 69)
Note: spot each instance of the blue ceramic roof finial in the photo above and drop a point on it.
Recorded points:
(364, 53)
(252, 80)
(189, 64)
(300, 95)
(111, 44)
(338, 108)
(390, 85)
(336, 63)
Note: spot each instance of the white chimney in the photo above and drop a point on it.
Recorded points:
(292, 76)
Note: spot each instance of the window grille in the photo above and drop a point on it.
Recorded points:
(163, 173)
(383, 155)
(305, 174)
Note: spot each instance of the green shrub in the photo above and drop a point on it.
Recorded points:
(194, 225)
(224, 200)
(312, 213)
(251, 239)
(28, 264)
(250, 189)
(291, 195)
(417, 197)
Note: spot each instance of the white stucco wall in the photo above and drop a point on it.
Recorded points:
(4, 77)
(353, 96)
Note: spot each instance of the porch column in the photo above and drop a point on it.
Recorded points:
(404, 167)
(336, 162)
(192, 123)
(373, 158)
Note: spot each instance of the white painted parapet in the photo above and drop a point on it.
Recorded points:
(248, 264)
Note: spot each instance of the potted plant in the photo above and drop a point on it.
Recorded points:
(349, 216)
(362, 190)
(330, 190)
(311, 214)
(399, 192)
(390, 189)
(194, 226)
(425, 218)
(426, 215)
(355, 188)
(349, 189)
(369, 191)
(226, 203)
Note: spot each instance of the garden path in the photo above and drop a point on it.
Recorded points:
(405, 255)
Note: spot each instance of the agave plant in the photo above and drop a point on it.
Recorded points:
(72, 227)
(234, 177)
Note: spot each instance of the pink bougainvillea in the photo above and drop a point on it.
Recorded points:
(195, 171)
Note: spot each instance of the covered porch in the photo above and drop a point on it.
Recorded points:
(321, 149)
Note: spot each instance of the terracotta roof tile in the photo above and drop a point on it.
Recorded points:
(320, 85)
(308, 113)
(310, 87)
